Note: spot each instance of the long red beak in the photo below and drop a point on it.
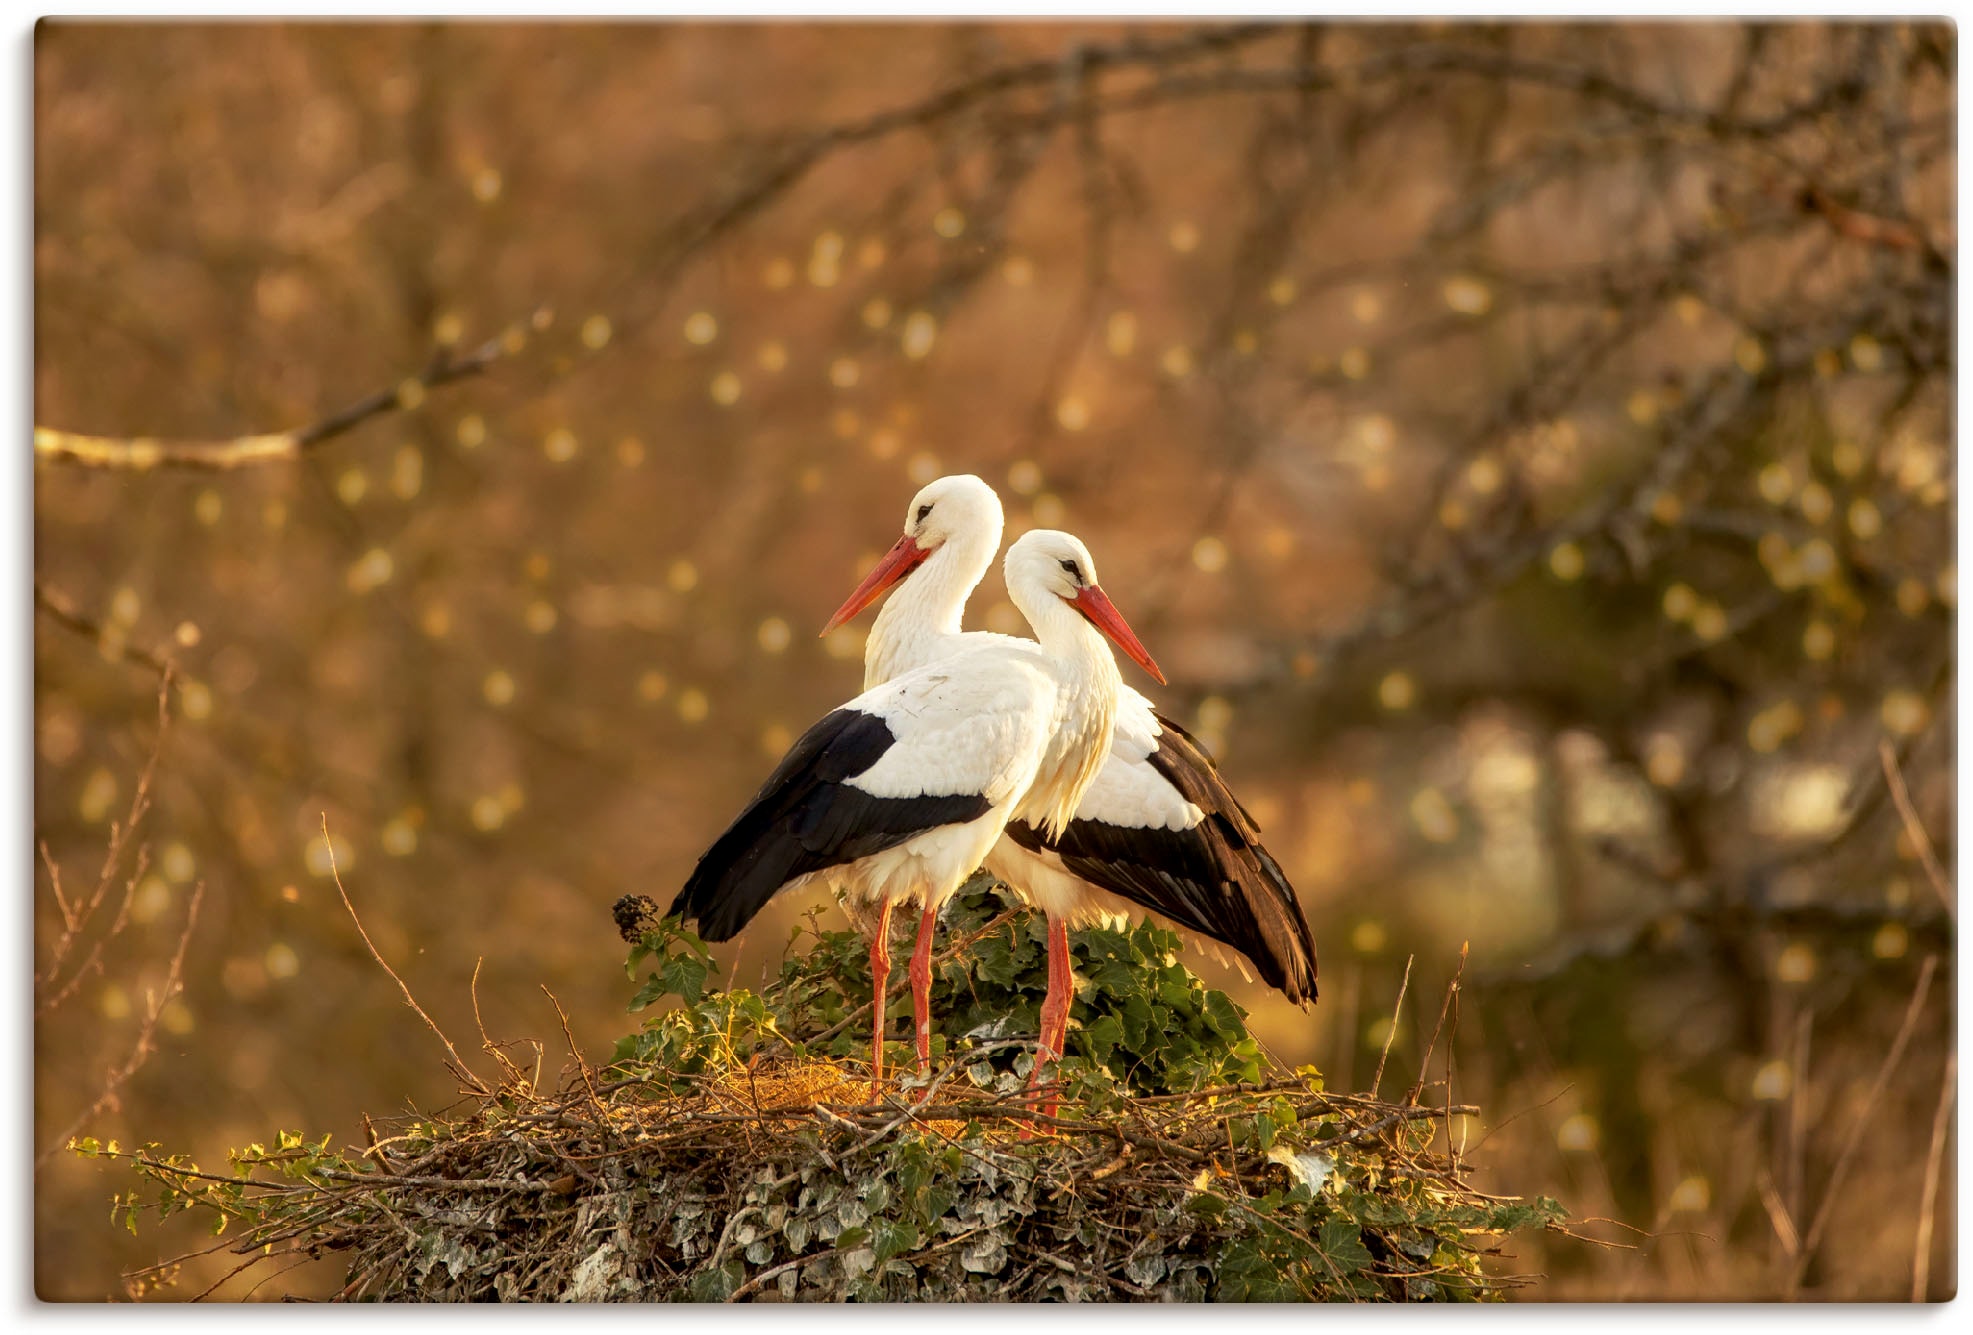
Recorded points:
(1101, 613)
(903, 558)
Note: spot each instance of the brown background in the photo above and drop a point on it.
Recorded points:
(1526, 448)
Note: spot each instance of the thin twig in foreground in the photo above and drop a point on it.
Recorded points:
(1921, 1257)
(507, 1064)
(1378, 1079)
(1778, 1214)
(589, 1084)
(1813, 1238)
(77, 917)
(146, 1044)
(1451, 991)
(462, 1070)
(1915, 828)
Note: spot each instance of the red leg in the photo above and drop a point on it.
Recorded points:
(1054, 1007)
(921, 988)
(1062, 977)
(880, 972)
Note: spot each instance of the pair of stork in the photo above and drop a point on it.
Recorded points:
(1030, 757)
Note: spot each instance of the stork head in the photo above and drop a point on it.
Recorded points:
(959, 509)
(1050, 563)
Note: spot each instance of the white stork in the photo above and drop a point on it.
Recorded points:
(1157, 830)
(899, 794)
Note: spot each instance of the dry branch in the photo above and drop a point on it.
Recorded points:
(1831, 1192)
(1928, 1197)
(1935, 874)
(458, 1064)
(145, 1043)
(144, 453)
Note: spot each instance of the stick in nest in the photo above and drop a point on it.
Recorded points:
(1451, 991)
(581, 1065)
(1396, 1010)
(460, 1069)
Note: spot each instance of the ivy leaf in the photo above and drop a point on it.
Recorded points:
(1342, 1245)
(890, 1238)
(685, 976)
(717, 1284)
(1102, 1036)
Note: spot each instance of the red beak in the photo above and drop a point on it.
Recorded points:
(903, 558)
(1096, 607)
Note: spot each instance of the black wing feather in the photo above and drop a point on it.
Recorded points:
(807, 818)
(1215, 879)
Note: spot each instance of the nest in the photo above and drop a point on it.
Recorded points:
(721, 1158)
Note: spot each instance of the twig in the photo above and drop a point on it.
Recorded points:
(507, 1064)
(1797, 1112)
(1378, 1078)
(759, 1281)
(141, 453)
(1392, 1118)
(462, 1070)
(63, 612)
(92, 962)
(442, 1183)
(1921, 1256)
(76, 918)
(1813, 1239)
(1778, 1214)
(141, 1050)
(1915, 828)
(1451, 991)
(602, 1114)
(375, 1152)
(1115, 1164)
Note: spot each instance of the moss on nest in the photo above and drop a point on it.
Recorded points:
(732, 1151)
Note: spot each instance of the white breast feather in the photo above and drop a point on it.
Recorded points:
(1127, 791)
(974, 723)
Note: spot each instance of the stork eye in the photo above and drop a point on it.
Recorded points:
(1075, 571)
(923, 510)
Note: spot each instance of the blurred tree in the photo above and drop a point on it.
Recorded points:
(1530, 446)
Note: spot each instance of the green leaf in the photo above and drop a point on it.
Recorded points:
(1342, 1246)
(1102, 1037)
(717, 1284)
(890, 1238)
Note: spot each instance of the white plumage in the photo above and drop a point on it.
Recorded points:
(1141, 840)
(898, 795)
(955, 523)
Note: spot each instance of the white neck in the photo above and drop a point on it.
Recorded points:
(1086, 710)
(923, 614)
